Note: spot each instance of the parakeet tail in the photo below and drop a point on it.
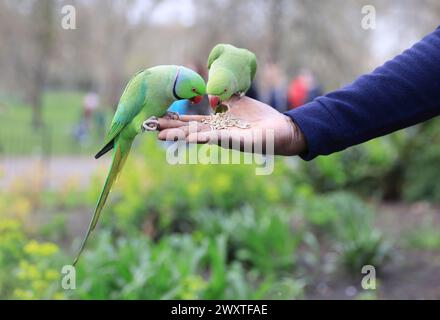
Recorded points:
(105, 149)
(122, 149)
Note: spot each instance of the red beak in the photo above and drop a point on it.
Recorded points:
(214, 101)
(196, 99)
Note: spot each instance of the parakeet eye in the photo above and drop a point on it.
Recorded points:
(193, 89)
(226, 90)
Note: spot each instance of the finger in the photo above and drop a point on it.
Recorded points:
(211, 137)
(202, 137)
(165, 123)
(174, 134)
(197, 138)
(227, 139)
(188, 118)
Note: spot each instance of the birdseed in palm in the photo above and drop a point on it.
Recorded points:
(224, 121)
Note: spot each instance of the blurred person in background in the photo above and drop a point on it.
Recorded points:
(302, 89)
(275, 88)
(90, 105)
(99, 121)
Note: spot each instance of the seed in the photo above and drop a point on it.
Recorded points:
(225, 120)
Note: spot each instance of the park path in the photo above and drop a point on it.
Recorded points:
(52, 174)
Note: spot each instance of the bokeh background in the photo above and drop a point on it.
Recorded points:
(200, 231)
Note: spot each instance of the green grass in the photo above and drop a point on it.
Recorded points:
(61, 114)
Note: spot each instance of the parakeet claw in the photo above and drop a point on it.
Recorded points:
(151, 124)
(172, 115)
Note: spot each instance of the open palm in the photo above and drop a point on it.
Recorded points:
(264, 122)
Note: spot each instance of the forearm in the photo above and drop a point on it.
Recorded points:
(401, 93)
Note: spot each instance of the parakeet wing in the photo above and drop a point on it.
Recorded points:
(130, 104)
(215, 53)
(253, 62)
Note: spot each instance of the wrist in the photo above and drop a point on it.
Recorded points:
(295, 142)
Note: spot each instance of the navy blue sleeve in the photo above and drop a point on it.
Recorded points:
(402, 92)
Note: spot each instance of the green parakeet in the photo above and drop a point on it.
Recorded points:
(147, 96)
(231, 71)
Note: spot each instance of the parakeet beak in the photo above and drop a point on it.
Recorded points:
(196, 99)
(214, 101)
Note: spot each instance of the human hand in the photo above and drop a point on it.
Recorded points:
(287, 137)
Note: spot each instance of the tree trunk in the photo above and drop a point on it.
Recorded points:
(43, 11)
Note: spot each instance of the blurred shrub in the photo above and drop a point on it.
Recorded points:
(265, 240)
(156, 198)
(135, 269)
(360, 168)
(13, 211)
(343, 221)
(55, 229)
(426, 237)
(153, 191)
(193, 232)
(240, 224)
(27, 266)
(12, 241)
(29, 269)
(358, 241)
(402, 164)
(36, 276)
(422, 169)
(318, 211)
(176, 267)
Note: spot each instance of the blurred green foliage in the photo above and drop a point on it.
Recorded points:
(422, 165)
(214, 231)
(187, 232)
(213, 223)
(358, 241)
(29, 268)
(12, 240)
(360, 168)
(403, 165)
(425, 237)
(178, 266)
